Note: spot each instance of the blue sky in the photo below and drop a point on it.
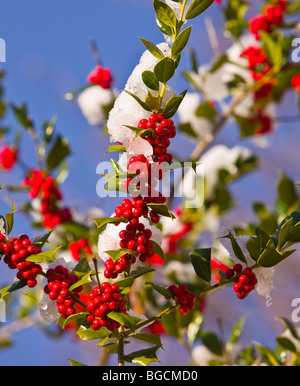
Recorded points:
(48, 54)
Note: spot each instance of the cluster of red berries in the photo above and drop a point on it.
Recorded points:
(184, 298)
(8, 157)
(258, 62)
(259, 67)
(272, 17)
(104, 300)
(59, 282)
(80, 248)
(101, 76)
(136, 239)
(15, 253)
(44, 186)
(162, 130)
(132, 210)
(246, 281)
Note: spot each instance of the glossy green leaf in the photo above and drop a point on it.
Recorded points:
(197, 7)
(47, 256)
(161, 290)
(143, 357)
(100, 222)
(155, 51)
(150, 338)
(236, 248)
(116, 148)
(212, 342)
(116, 254)
(125, 319)
(59, 151)
(144, 105)
(158, 249)
(72, 318)
(165, 13)
(84, 280)
(164, 70)
(76, 364)
(150, 80)
(40, 241)
(172, 105)
(162, 210)
(201, 261)
(85, 333)
(236, 332)
(81, 268)
(181, 41)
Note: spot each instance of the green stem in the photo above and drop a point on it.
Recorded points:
(214, 287)
(153, 319)
(78, 301)
(176, 33)
(121, 347)
(97, 272)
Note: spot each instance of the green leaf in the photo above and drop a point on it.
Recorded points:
(76, 364)
(212, 342)
(290, 327)
(271, 257)
(118, 253)
(194, 328)
(144, 105)
(22, 115)
(139, 132)
(9, 218)
(40, 241)
(124, 319)
(201, 261)
(162, 210)
(81, 268)
(116, 148)
(172, 105)
(284, 233)
(286, 343)
(150, 80)
(187, 129)
(164, 70)
(153, 101)
(150, 338)
(197, 7)
(85, 333)
(59, 151)
(273, 48)
(161, 290)
(165, 13)
(236, 332)
(12, 288)
(100, 222)
(163, 27)
(286, 192)
(294, 236)
(84, 280)
(42, 257)
(158, 249)
(206, 110)
(155, 51)
(236, 248)
(181, 41)
(72, 318)
(142, 357)
(257, 244)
